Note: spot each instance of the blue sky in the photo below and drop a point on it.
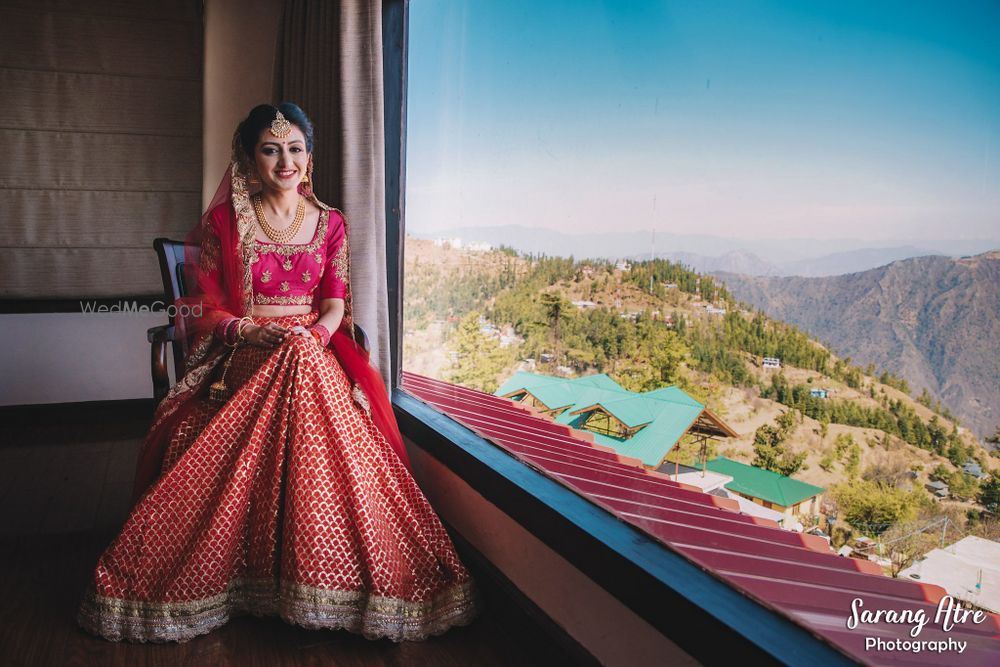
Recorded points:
(874, 120)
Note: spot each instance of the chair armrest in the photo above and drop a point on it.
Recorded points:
(158, 338)
(161, 334)
(362, 338)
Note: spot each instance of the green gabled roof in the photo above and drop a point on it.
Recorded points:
(600, 381)
(626, 410)
(675, 394)
(763, 484)
(665, 414)
(551, 391)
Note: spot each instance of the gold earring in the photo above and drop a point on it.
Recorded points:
(305, 180)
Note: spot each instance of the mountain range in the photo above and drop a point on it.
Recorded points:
(934, 321)
(706, 253)
(832, 264)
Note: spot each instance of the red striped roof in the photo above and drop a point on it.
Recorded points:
(791, 572)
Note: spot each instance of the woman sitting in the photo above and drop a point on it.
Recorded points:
(274, 480)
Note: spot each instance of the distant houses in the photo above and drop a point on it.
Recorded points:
(771, 362)
(506, 335)
(645, 425)
(819, 393)
(974, 470)
(938, 489)
(458, 244)
(790, 497)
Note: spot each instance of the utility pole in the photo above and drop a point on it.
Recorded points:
(652, 251)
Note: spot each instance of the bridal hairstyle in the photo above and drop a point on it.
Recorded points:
(260, 118)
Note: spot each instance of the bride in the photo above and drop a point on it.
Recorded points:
(274, 480)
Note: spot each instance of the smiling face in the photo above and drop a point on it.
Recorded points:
(281, 163)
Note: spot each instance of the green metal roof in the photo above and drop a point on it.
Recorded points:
(763, 484)
(667, 413)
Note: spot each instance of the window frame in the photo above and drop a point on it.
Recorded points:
(700, 612)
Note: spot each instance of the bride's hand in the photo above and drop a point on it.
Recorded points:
(302, 331)
(268, 335)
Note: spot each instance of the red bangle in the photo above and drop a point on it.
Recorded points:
(232, 332)
(222, 328)
(322, 333)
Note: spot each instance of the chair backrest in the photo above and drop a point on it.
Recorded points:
(173, 266)
(176, 276)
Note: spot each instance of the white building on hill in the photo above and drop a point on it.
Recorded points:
(969, 570)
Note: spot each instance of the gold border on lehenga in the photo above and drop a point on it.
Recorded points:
(373, 616)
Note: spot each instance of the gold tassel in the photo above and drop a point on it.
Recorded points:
(218, 391)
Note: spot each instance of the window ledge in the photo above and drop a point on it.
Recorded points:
(688, 604)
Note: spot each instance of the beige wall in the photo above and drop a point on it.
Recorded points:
(240, 42)
(73, 357)
(808, 507)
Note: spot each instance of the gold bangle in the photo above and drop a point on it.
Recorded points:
(240, 327)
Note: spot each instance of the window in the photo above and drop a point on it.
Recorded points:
(558, 154)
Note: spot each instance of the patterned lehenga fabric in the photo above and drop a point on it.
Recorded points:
(285, 501)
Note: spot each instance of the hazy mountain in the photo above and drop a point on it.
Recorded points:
(735, 261)
(752, 256)
(933, 320)
(834, 264)
(851, 261)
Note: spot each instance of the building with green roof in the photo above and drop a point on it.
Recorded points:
(642, 425)
(783, 494)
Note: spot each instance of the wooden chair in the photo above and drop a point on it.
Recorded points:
(177, 282)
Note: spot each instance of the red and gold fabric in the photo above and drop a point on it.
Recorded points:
(294, 497)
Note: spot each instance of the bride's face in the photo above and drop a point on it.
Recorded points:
(281, 163)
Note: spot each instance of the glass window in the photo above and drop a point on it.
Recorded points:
(741, 136)
(578, 172)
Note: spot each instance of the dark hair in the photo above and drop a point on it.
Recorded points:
(260, 118)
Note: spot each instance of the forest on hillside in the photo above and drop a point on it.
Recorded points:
(648, 325)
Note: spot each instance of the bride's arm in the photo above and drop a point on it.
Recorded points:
(331, 314)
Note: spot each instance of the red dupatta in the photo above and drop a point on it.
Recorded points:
(223, 288)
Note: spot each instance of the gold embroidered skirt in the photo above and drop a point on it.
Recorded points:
(286, 501)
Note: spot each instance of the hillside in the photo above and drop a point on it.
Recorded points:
(933, 321)
(475, 317)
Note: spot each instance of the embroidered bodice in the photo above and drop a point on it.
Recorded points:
(301, 273)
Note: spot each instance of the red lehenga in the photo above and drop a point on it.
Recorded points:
(287, 500)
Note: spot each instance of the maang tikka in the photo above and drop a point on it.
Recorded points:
(280, 127)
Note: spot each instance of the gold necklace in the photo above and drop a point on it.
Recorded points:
(280, 235)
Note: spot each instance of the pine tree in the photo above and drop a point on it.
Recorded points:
(989, 495)
(480, 359)
(770, 453)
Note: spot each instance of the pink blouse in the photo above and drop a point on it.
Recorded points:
(289, 274)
